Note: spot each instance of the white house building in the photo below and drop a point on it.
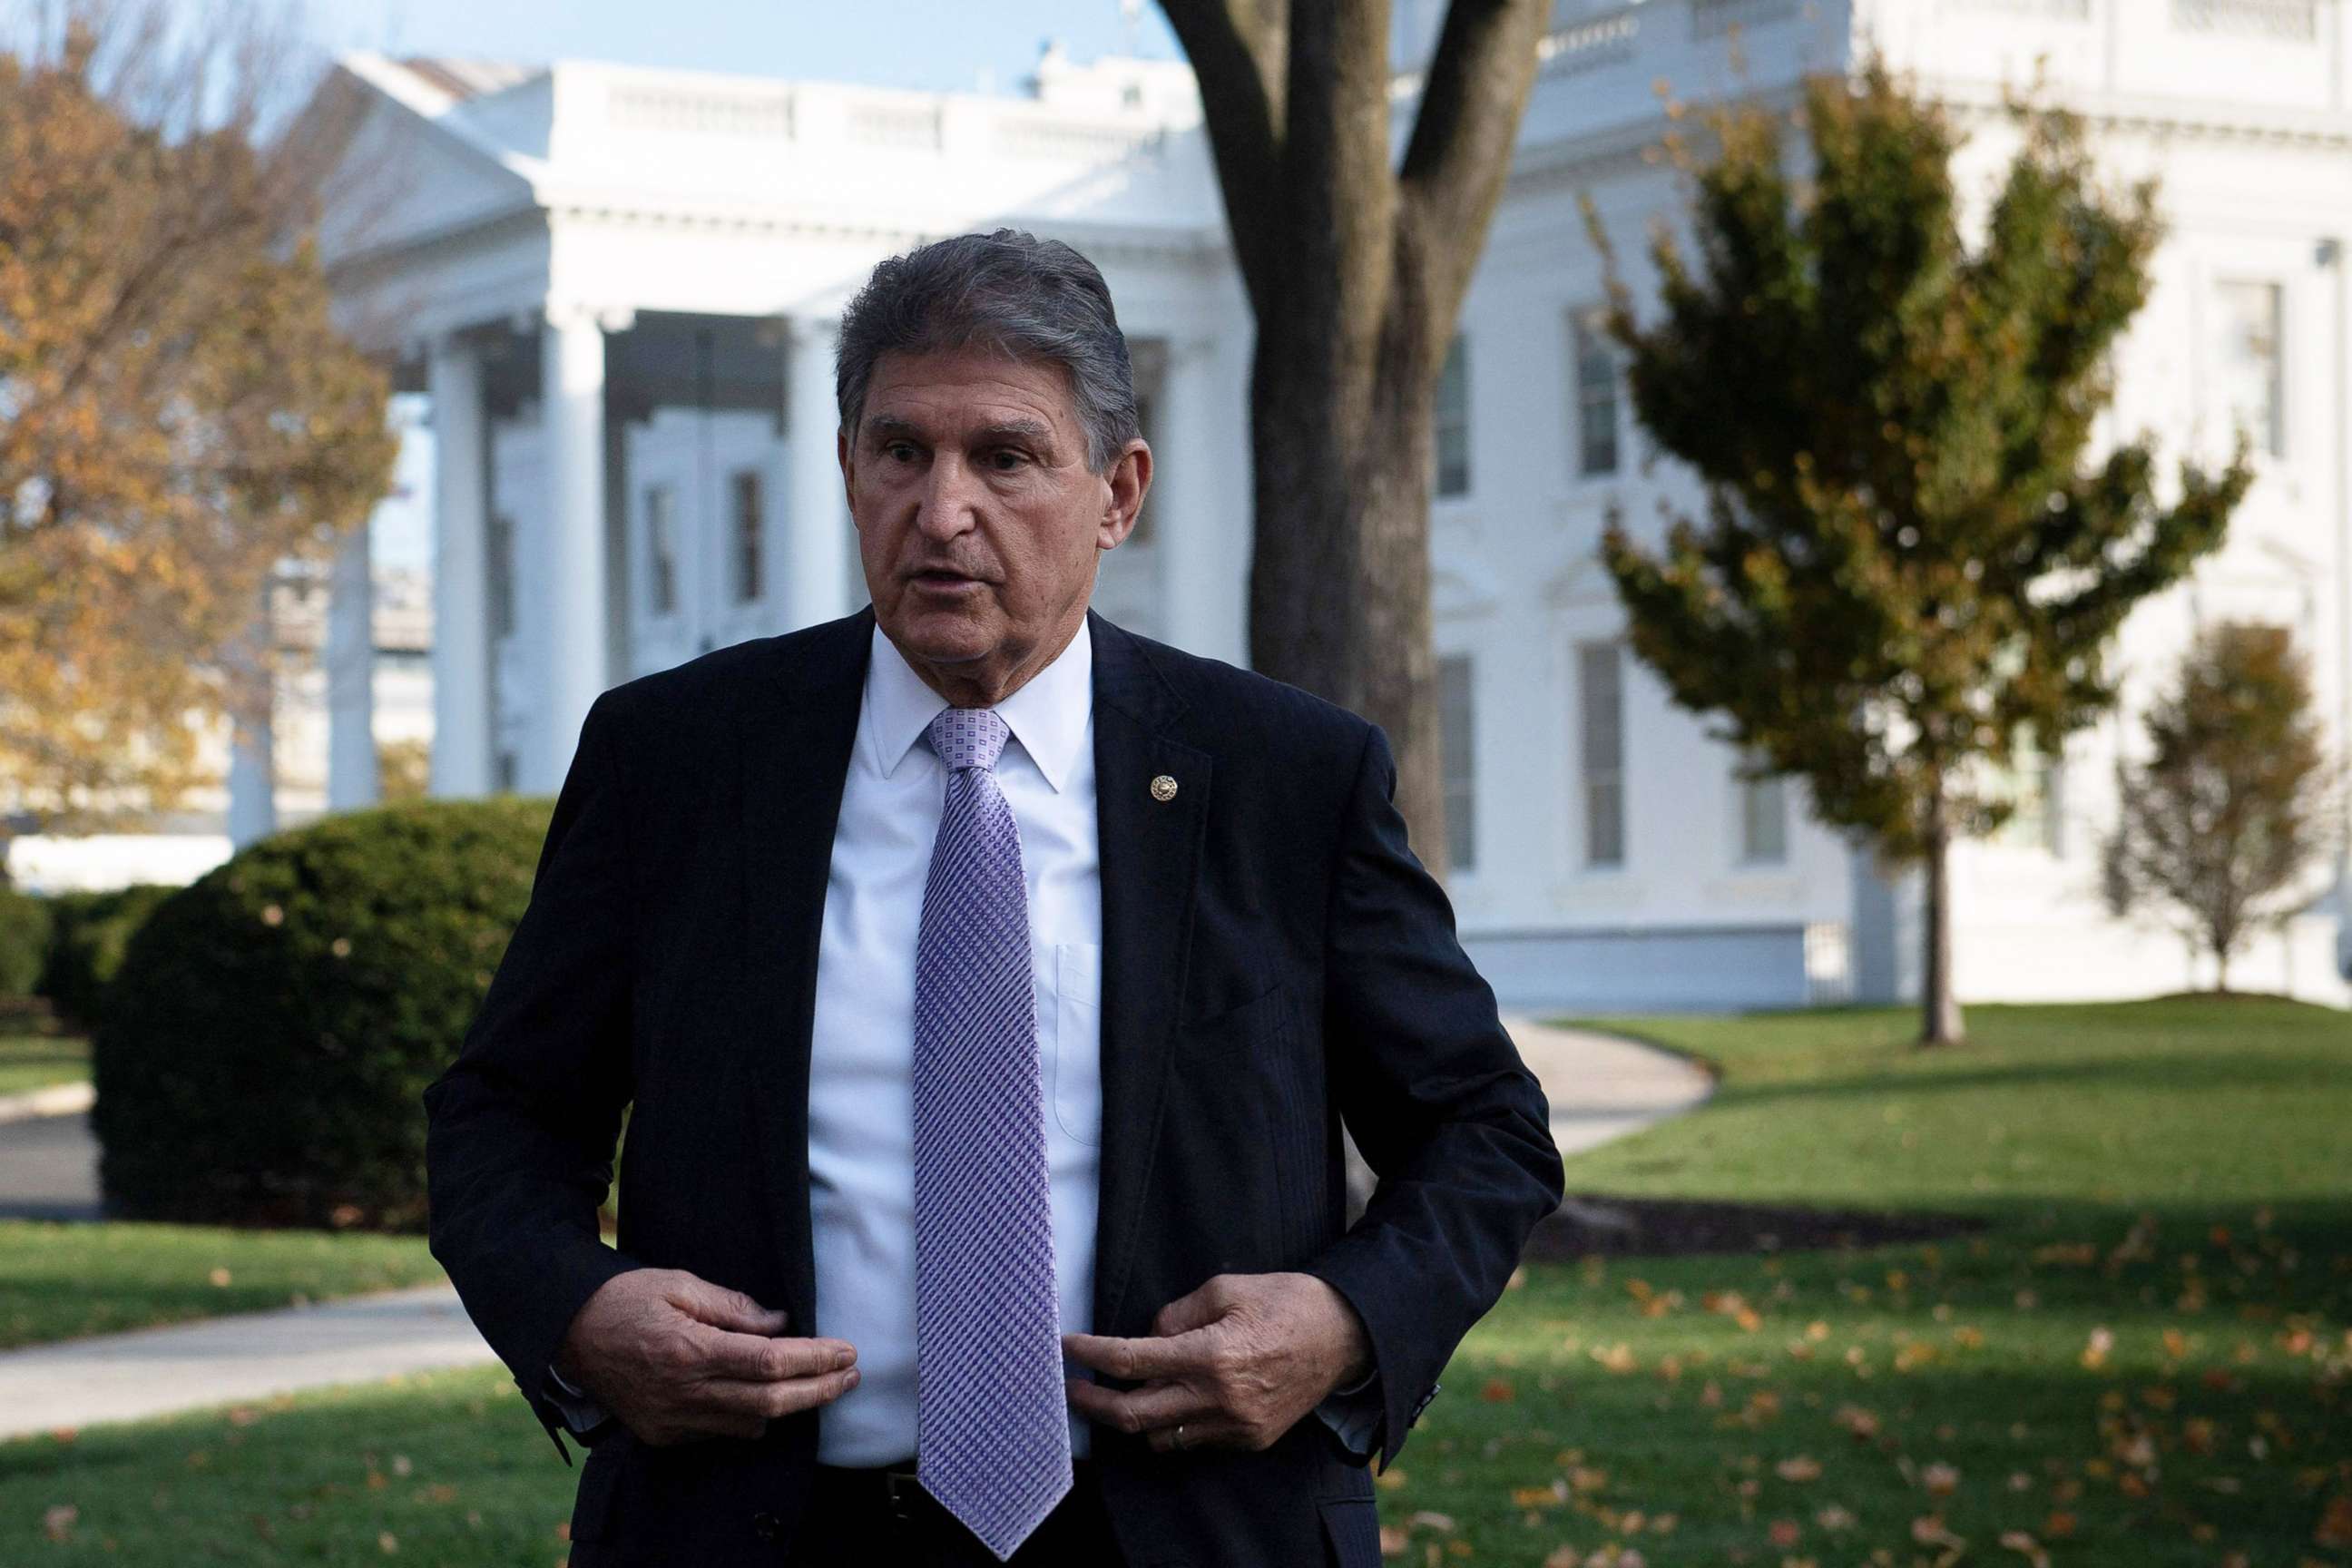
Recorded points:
(620, 287)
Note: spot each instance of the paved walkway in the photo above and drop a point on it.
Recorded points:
(48, 1168)
(1602, 1088)
(1599, 1088)
(244, 1356)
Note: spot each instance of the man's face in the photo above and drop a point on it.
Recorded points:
(979, 523)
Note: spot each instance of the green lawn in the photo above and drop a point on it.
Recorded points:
(36, 1060)
(446, 1468)
(2143, 1361)
(60, 1280)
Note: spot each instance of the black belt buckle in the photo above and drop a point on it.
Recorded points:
(903, 1493)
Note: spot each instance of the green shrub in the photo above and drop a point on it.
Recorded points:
(89, 934)
(265, 1048)
(23, 942)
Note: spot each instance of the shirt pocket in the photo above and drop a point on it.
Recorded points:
(1076, 1088)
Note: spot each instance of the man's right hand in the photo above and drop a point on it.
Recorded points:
(675, 1357)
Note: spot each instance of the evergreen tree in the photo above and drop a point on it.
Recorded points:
(1908, 568)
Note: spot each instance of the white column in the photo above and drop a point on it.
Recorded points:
(461, 622)
(352, 779)
(252, 759)
(1200, 535)
(822, 555)
(571, 404)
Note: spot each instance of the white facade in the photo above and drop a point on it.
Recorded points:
(620, 286)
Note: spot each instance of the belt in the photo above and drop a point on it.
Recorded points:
(893, 1489)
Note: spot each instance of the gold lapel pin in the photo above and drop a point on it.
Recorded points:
(1163, 789)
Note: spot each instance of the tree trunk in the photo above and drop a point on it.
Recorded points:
(1339, 577)
(1940, 1012)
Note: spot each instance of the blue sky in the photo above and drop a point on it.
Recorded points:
(931, 44)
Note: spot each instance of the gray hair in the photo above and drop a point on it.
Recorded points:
(1022, 295)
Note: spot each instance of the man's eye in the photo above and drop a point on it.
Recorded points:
(1004, 461)
(903, 451)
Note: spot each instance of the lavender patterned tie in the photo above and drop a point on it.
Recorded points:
(992, 1426)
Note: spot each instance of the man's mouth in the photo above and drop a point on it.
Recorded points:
(944, 579)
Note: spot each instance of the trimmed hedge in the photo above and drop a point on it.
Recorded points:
(265, 1049)
(23, 942)
(89, 933)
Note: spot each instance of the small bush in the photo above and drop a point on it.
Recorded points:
(89, 934)
(23, 942)
(267, 1042)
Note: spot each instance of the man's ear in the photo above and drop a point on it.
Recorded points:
(1130, 477)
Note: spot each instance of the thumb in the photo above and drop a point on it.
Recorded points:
(725, 1309)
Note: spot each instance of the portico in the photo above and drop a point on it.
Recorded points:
(622, 298)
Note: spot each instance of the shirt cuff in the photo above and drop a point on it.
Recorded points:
(1354, 1414)
(581, 1411)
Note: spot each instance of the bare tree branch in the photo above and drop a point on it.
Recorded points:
(1460, 154)
(1239, 51)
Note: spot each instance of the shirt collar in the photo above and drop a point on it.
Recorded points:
(1048, 715)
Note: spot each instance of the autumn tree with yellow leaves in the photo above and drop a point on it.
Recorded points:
(178, 413)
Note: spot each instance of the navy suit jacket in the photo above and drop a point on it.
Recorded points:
(1275, 958)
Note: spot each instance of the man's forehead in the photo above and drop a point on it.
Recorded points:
(968, 388)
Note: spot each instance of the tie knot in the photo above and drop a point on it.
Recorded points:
(969, 737)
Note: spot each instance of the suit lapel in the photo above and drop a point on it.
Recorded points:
(796, 735)
(1151, 852)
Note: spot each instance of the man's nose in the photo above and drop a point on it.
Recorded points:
(948, 503)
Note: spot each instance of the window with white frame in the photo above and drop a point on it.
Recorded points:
(1596, 393)
(1763, 815)
(1453, 420)
(1601, 712)
(751, 525)
(2283, 21)
(2033, 785)
(661, 548)
(1458, 742)
(2247, 367)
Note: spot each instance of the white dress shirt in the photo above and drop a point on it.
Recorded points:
(861, 1143)
(861, 1093)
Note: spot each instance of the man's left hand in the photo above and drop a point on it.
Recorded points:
(1236, 1363)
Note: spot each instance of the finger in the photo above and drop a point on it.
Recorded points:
(1175, 1355)
(1195, 1309)
(754, 1358)
(725, 1309)
(1141, 1409)
(733, 1398)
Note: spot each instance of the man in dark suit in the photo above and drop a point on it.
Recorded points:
(989, 984)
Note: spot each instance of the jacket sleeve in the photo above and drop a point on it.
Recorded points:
(520, 1128)
(1447, 1116)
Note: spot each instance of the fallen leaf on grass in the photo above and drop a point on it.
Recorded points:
(1798, 1468)
(58, 1521)
(2025, 1546)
